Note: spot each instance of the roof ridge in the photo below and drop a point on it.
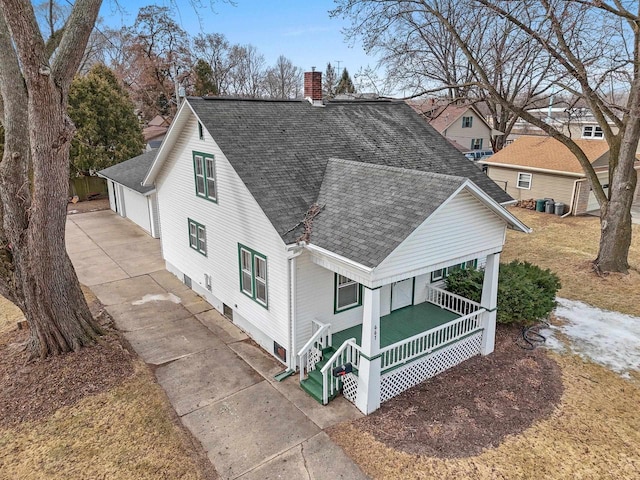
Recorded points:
(396, 169)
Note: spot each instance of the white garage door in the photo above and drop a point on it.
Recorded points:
(137, 208)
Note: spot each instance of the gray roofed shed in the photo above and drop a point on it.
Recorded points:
(132, 172)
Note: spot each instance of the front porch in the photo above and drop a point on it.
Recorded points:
(415, 343)
(401, 324)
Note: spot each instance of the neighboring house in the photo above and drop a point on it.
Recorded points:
(325, 232)
(575, 122)
(155, 131)
(542, 167)
(462, 125)
(128, 197)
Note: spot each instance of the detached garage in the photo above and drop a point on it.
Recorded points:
(127, 196)
(542, 167)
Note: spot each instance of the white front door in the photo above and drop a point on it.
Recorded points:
(401, 294)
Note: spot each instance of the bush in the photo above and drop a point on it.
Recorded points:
(526, 293)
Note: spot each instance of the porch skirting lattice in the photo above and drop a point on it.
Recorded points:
(350, 387)
(400, 379)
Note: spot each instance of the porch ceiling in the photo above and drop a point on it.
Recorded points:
(401, 324)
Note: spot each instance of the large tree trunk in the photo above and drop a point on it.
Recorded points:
(35, 271)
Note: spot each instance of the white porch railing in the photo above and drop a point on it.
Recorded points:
(424, 343)
(311, 353)
(451, 301)
(349, 352)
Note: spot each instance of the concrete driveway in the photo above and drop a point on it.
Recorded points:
(219, 382)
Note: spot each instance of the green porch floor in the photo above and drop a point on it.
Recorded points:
(401, 324)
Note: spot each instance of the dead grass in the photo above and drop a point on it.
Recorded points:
(567, 246)
(10, 315)
(125, 433)
(594, 434)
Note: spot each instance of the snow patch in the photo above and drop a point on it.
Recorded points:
(157, 297)
(611, 339)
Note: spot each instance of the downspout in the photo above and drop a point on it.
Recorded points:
(292, 308)
(573, 198)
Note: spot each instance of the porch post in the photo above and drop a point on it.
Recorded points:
(368, 397)
(490, 302)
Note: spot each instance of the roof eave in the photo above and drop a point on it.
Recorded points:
(164, 148)
(494, 206)
(533, 169)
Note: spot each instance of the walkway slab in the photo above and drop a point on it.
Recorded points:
(93, 267)
(203, 378)
(141, 265)
(170, 340)
(316, 459)
(221, 326)
(240, 432)
(168, 281)
(130, 316)
(127, 290)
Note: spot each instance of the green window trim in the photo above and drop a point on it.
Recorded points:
(442, 273)
(197, 236)
(336, 295)
(204, 173)
(467, 122)
(476, 143)
(252, 267)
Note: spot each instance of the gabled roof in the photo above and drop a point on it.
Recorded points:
(280, 149)
(368, 210)
(450, 113)
(547, 153)
(130, 173)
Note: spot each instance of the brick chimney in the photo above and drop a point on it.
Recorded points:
(313, 86)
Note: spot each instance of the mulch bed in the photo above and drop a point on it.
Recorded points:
(35, 390)
(473, 406)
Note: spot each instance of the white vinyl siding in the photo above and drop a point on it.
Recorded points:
(238, 219)
(315, 294)
(460, 230)
(524, 180)
(136, 208)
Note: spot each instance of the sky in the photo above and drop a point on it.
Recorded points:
(301, 30)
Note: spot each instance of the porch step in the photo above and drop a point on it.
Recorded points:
(313, 383)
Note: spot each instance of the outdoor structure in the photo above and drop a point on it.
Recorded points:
(325, 232)
(128, 198)
(542, 167)
(462, 125)
(155, 131)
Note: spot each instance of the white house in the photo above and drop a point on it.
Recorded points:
(324, 231)
(127, 196)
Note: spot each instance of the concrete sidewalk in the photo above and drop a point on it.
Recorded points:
(219, 382)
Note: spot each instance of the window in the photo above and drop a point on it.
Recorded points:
(198, 237)
(253, 274)
(524, 180)
(467, 122)
(437, 275)
(442, 273)
(592, 131)
(205, 175)
(476, 144)
(200, 131)
(348, 294)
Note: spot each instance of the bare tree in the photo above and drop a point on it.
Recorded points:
(214, 49)
(35, 271)
(587, 44)
(284, 79)
(248, 72)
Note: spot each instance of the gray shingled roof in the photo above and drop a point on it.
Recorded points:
(130, 173)
(368, 210)
(280, 149)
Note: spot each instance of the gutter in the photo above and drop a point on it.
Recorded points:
(533, 169)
